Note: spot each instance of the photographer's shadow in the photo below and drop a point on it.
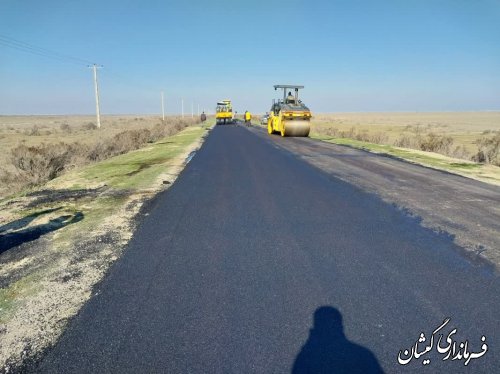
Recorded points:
(328, 350)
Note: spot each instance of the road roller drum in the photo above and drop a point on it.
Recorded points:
(289, 116)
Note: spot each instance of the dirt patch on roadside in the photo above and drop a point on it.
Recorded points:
(51, 196)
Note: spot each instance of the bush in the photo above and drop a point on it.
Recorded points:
(14, 181)
(488, 150)
(41, 163)
(405, 141)
(65, 127)
(379, 138)
(37, 164)
(436, 143)
(34, 131)
(331, 131)
(129, 140)
(461, 152)
(361, 136)
(90, 126)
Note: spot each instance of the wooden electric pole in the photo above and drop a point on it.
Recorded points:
(96, 89)
(162, 107)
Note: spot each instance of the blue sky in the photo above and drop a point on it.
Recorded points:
(353, 55)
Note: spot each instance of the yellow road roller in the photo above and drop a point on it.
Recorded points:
(289, 116)
(224, 112)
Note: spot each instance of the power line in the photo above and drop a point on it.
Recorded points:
(19, 45)
(35, 52)
(7, 41)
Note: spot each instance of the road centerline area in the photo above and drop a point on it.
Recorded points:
(256, 262)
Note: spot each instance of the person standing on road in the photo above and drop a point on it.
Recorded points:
(203, 117)
(248, 118)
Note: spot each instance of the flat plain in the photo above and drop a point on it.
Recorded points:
(464, 127)
(34, 130)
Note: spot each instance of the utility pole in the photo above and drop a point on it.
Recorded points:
(182, 101)
(192, 110)
(96, 88)
(162, 107)
(198, 110)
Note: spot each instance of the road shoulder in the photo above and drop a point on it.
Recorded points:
(58, 241)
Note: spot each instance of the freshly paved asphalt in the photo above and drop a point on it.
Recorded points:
(466, 209)
(226, 272)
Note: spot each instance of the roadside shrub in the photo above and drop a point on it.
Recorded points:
(34, 165)
(405, 141)
(331, 131)
(13, 181)
(34, 131)
(65, 127)
(488, 150)
(90, 126)
(157, 131)
(416, 128)
(97, 152)
(362, 136)
(461, 152)
(351, 133)
(41, 163)
(436, 143)
(129, 140)
(379, 138)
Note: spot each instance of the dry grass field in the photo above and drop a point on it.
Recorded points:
(33, 130)
(38, 148)
(457, 134)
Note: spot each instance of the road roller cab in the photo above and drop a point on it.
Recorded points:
(289, 116)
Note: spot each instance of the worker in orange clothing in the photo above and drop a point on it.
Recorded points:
(248, 118)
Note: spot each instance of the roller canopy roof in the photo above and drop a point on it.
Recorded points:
(286, 86)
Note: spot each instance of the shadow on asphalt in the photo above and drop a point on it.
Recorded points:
(327, 350)
(13, 239)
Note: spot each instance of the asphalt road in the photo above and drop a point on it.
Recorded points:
(468, 210)
(254, 261)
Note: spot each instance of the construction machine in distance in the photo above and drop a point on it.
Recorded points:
(289, 116)
(224, 112)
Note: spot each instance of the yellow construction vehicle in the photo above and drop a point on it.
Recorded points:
(289, 116)
(224, 112)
